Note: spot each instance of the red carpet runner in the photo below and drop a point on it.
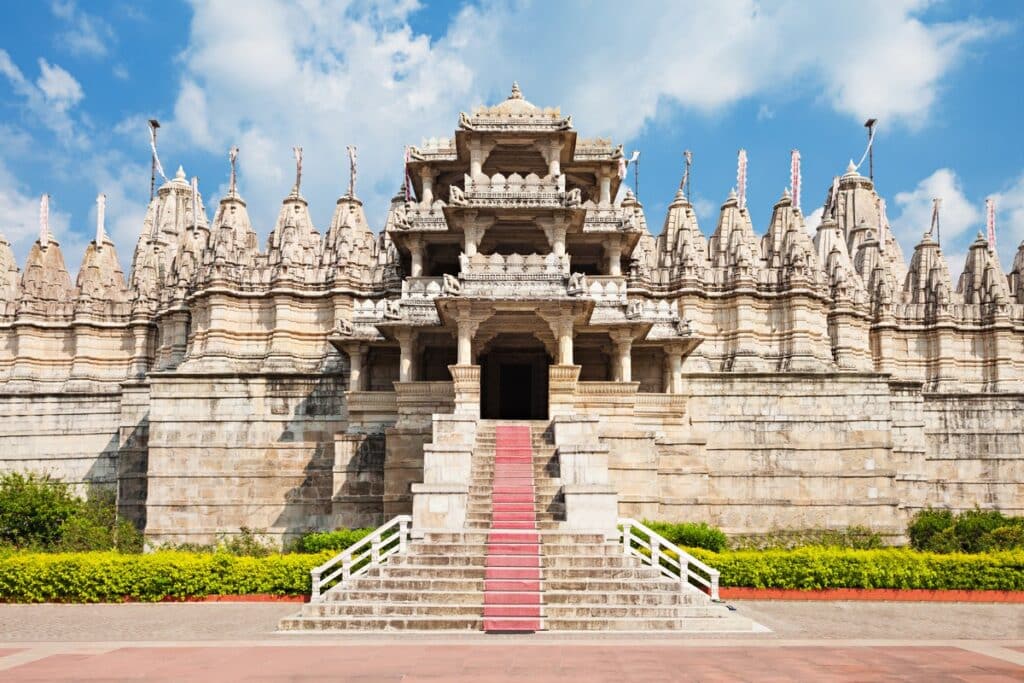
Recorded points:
(512, 574)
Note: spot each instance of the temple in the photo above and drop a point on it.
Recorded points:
(793, 379)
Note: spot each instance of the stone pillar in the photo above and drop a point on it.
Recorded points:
(606, 187)
(674, 381)
(427, 176)
(564, 336)
(416, 250)
(555, 229)
(465, 341)
(478, 153)
(356, 363)
(613, 251)
(405, 364)
(466, 383)
(623, 350)
(473, 229)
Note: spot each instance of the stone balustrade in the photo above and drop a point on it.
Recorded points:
(422, 288)
(606, 289)
(514, 191)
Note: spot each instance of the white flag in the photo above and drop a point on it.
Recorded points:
(156, 159)
(101, 212)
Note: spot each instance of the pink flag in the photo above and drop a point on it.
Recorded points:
(990, 220)
(794, 177)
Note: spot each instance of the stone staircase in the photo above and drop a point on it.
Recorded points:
(507, 572)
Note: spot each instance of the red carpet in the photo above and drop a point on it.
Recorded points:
(512, 576)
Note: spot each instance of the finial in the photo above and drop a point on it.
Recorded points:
(517, 94)
(785, 193)
(233, 181)
(851, 167)
(101, 214)
(298, 170)
(351, 171)
(44, 221)
(180, 175)
(732, 193)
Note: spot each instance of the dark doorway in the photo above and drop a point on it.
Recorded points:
(514, 382)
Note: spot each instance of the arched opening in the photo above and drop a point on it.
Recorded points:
(514, 378)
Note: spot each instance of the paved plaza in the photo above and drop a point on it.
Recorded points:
(812, 641)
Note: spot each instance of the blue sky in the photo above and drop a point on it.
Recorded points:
(79, 79)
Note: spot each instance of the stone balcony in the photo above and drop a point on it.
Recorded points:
(515, 191)
(515, 275)
(608, 219)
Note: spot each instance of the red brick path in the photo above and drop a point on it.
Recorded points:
(516, 661)
(512, 575)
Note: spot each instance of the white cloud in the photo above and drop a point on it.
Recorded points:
(86, 34)
(813, 220)
(765, 113)
(957, 215)
(20, 212)
(1010, 221)
(326, 73)
(60, 88)
(50, 98)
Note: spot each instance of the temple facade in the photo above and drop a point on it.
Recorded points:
(792, 379)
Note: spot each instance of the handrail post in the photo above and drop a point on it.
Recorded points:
(714, 585)
(656, 552)
(315, 575)
(684, 571)
(627, 537)
(403, 526)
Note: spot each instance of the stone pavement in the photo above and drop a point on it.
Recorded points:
(841, 641)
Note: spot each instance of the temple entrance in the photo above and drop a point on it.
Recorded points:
(514, 381)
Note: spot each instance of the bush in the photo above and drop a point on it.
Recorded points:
(115, 577)
(247, 543)
(854, 537)
(690, 534)
(336, 541)
(33, 510)
(971, 531)
(816, 568)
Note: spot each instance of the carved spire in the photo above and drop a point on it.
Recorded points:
(1016, 277)
(928, 279)
(844, 281)
(232, 246)
(349, 244)
(682, 247)
(982, 281)
(734, 247)
(46, 289)
(788, 249)
(294, 245)
(9, 276)
(102, 292)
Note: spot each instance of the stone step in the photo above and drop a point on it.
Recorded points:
(386, 608)
(513, 625)
(682, 625)
(423, 623)
(473, 597)
(434, 583)
(619, 598)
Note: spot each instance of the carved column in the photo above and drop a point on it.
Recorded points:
(623, 350)
(552, 153)
(479, 150)
(356, 363)
(605, 178)
(473, 230)
(405, 338)
(674, 368)
(427, 177)
(416, 251)
(554, 230)
(613, 252)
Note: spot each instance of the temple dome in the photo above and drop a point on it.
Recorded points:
(515, 104)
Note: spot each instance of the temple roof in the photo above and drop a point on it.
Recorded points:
(515, 113)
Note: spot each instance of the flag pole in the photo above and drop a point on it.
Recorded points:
(153, 125)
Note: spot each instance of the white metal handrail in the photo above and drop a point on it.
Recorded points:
(681, 567)
(371, 551)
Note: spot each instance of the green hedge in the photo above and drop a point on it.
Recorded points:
(813, 568)
(320, 541)
(114, 577)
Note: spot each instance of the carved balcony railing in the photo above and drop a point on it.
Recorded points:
(434, 149)
(608, 219)
(418, 217)
(606, 290)
(514, 191)
(417, 289)
(593, 149)
(514, 275)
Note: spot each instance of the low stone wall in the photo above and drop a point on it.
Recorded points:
(71, 436)
(234, 451)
